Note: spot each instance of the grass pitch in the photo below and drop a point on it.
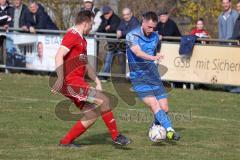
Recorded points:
(208, 121)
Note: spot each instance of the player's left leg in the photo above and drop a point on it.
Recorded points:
(163, 102)
(107, 115)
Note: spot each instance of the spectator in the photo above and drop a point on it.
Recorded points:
(226, 20)
(20, 12)
(236, 30)
(236, 35)
(6, 14)
(199, 29)
(166, 26)
(89, 5)
(110, 23)
(128, 23)
(37, 18)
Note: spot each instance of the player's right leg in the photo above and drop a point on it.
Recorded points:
(89, 118)
(161, 116)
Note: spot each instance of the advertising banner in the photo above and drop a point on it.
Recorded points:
(208, 64)
(36, 52)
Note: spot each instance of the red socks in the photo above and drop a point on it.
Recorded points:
(110, 122)
(75, 131)
(78, 129)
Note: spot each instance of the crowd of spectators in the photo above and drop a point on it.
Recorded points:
(27, 17)
(33, 16)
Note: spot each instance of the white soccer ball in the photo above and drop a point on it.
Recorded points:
(157, 133)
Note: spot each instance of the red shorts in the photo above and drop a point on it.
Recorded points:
(79, 94)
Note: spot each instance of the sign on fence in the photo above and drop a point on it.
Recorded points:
(36, 52)
(208, 64)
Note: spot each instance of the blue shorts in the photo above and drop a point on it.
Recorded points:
(146, 90)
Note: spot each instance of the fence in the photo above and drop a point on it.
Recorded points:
(217, 61)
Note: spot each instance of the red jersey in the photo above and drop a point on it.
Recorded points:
(76, 59)
(201, 33)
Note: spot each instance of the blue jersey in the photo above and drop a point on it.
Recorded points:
(144, 73)
(147, 45)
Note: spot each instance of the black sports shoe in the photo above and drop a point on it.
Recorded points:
(71, 145)
(122, 140)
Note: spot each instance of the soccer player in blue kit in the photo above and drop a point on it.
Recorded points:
(142, 51)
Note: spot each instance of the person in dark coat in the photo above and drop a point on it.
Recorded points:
(37, 18)
(20, 12)
(110, 23)
(6, 14)
(166, 26)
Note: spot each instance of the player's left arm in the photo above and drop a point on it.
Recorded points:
(93, 76)
(158, 51)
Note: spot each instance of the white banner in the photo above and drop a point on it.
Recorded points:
(36, 52)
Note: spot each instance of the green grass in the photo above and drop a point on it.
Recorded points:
(208, 122)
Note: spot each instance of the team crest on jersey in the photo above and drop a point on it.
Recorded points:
(82, 57)
(74, 31)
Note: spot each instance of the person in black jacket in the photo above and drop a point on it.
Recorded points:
(110, 22)
(236, 31)
(20, 12)
(166, 26)
(6, 14)
(37, 18)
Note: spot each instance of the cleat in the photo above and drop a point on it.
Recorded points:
(122, 140)
(171, 135)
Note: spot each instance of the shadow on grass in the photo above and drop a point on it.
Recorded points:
(179, 129)
(103, 138)
(164, 143)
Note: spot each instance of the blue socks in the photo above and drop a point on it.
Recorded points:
(162, 118)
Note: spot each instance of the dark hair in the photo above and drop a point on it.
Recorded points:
(200, 19)
(163, 11)
(150, 16)
(238, 1)
(84, 16)
(39, 43)
(32, 1)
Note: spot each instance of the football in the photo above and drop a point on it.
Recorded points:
(157, 133)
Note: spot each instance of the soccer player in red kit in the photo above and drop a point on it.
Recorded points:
(71, 64)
